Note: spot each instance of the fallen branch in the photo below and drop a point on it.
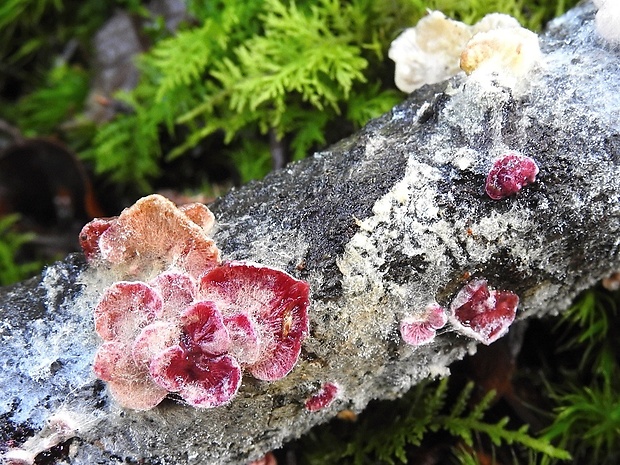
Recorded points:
(380, 225)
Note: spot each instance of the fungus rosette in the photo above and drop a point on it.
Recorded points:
(197, 324)
(482, 313)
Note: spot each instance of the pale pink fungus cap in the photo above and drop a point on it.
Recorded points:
(131, 385)
(419, 330)
(125, 308)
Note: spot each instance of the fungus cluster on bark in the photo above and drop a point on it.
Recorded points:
(476, 311)
(179, 320)
(438, 48)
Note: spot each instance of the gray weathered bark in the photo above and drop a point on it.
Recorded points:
(379, 225)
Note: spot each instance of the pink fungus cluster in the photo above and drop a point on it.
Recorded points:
(195, 324)
(419, 330)
(478, 312)
(323, 398)
(482, 313)
(509, 174)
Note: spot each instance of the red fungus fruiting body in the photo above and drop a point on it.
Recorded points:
(275, 301)
(509, 174)
(482, 313)
(200, 379)
(89, 237)
(198, 323)
(323, 398)
(267, 459)
(421, 330)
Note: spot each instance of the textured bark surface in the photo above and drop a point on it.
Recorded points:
(380, 225)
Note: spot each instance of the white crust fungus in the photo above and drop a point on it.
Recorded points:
(429, 52)
(607, 20)
(439, 47)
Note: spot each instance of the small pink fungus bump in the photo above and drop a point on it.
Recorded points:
(323, 398)
(419, 330)
(509, 174)
(267, 459)
(482, 313)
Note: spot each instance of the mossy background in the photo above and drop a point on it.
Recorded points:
(241, 87)
(236, 83)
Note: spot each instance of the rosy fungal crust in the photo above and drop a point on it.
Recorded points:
(422, 329)
(482, 313)
(323, 398)
(509, 174)
(193, 327)
(274, 300)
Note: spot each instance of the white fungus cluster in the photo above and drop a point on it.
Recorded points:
(607, 20)
(439, 47)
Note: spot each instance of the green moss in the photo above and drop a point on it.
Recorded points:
(11, 242)
(587, 401)
(392, 432)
